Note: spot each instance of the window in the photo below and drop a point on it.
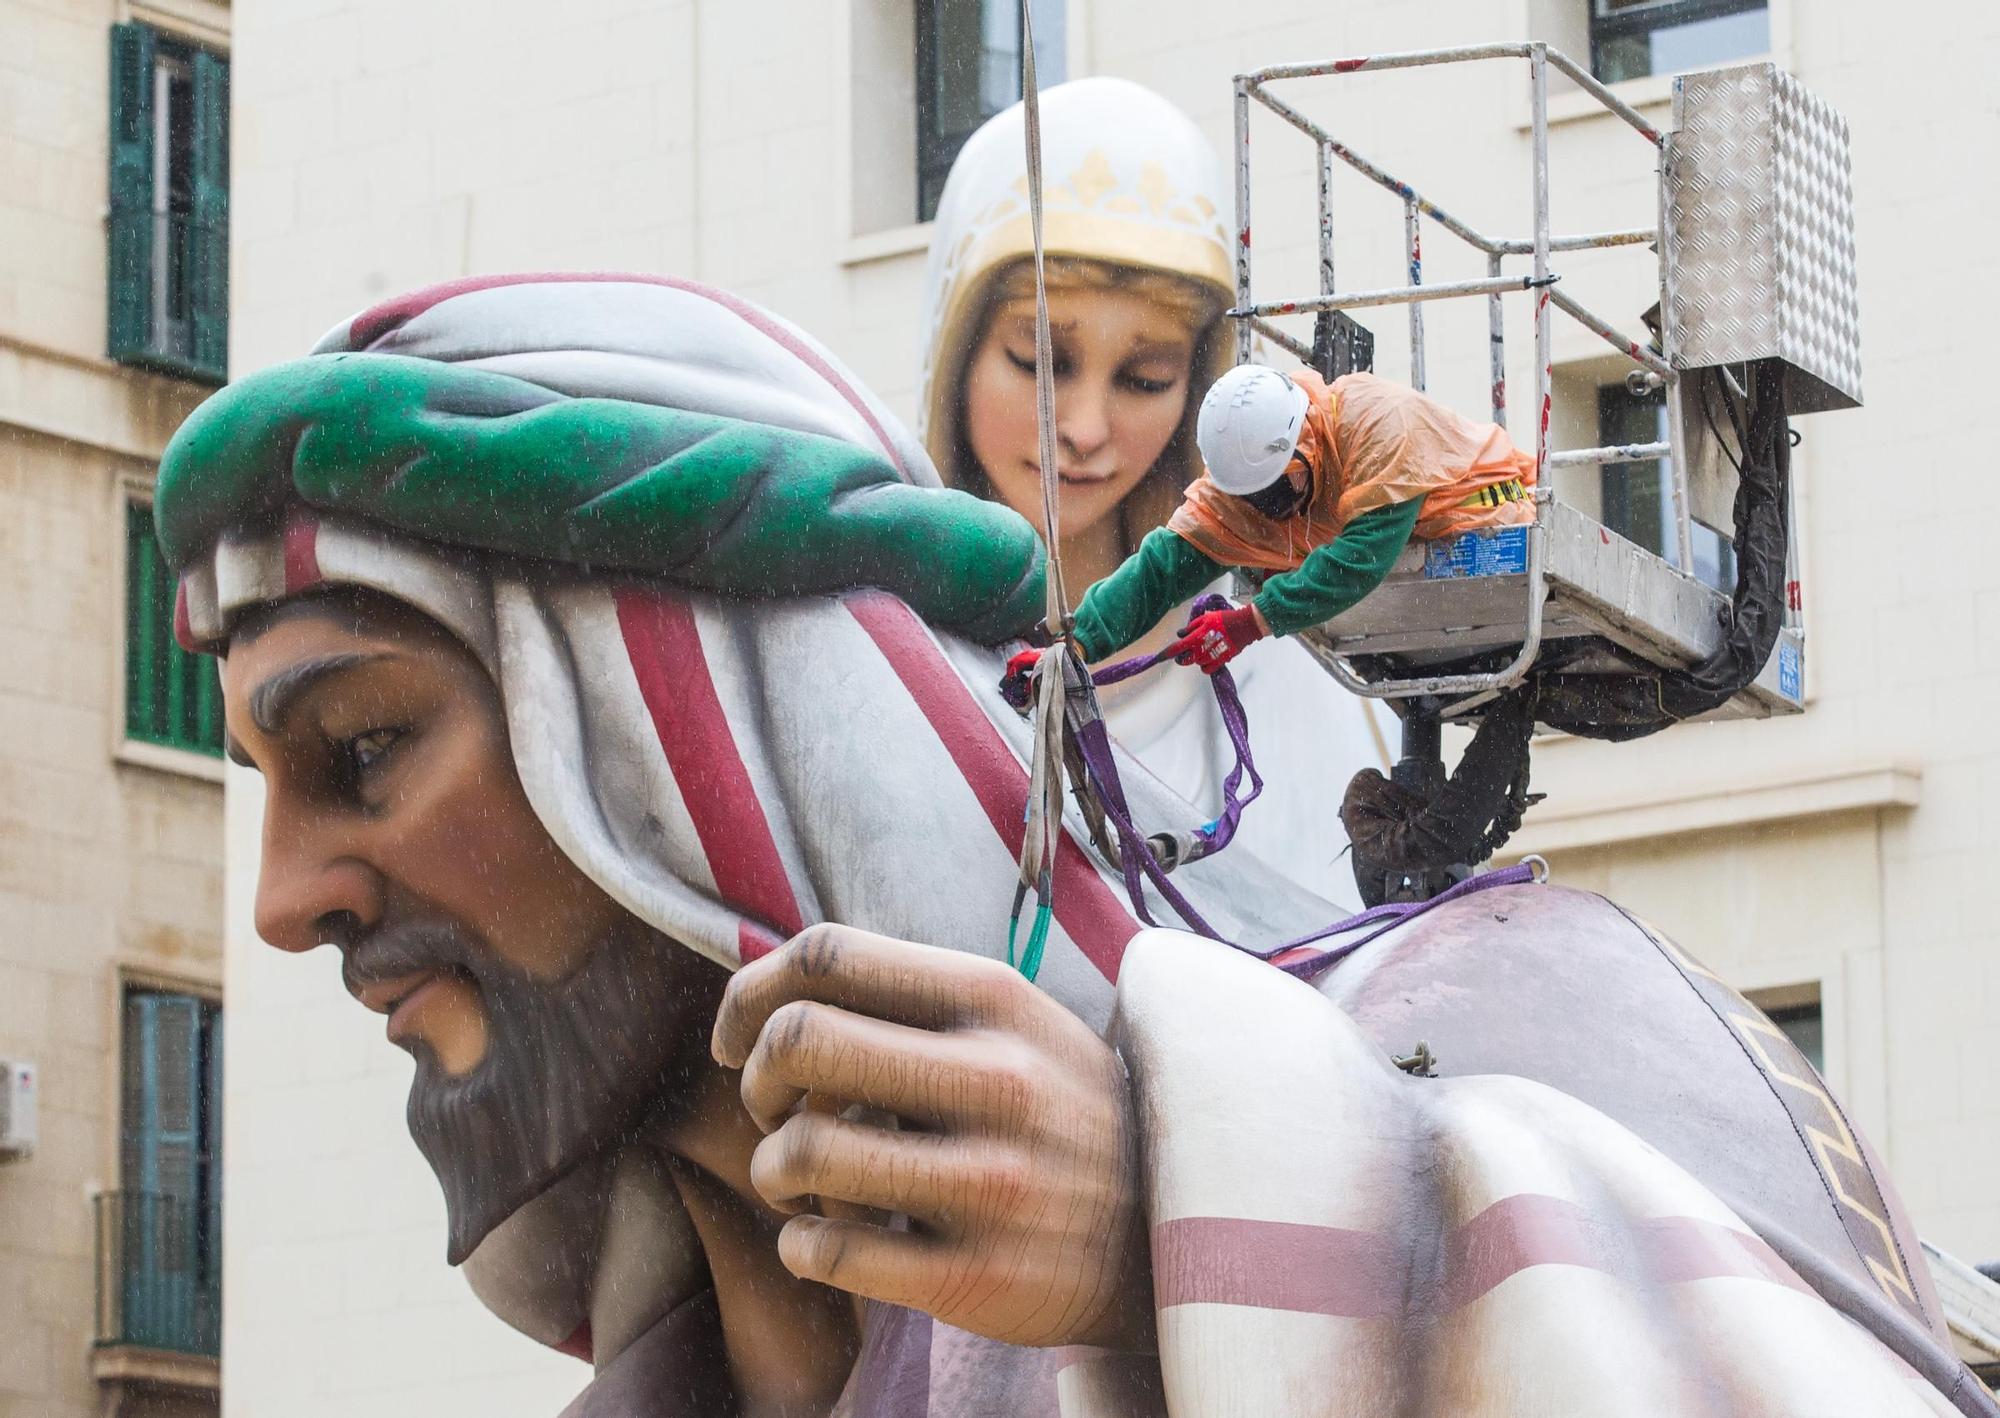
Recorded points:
(1801, 1024)
(168, 282)
(1632, 38)
(1638, 498)
(968, 69)
(172, 697)
(160, 1234)
(1795, 1009)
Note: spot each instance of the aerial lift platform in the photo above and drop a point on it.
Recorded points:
(1565, 623)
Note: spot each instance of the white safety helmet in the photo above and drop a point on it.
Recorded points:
(1248, 426)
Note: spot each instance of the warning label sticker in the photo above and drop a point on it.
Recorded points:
(1791, 671)
(1501, 552)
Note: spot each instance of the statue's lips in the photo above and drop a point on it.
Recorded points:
(402, 998)
(1075, 478)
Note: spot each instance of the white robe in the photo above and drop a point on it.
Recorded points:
(1308, 736)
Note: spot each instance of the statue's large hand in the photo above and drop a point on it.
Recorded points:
(1014, 1156)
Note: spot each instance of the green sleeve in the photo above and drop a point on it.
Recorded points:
(1166, 570)
(1337, 575)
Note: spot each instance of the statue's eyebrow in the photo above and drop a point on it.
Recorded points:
(276, 697)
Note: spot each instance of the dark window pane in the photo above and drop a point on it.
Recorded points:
(1638, 498)
(1633, 38)
(1803, 1025)
(173, 195)
(1625, 56)
(968, 69)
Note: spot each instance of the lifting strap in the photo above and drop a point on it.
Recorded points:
(1043, 827)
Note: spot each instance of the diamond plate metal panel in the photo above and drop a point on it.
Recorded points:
(1760, 233)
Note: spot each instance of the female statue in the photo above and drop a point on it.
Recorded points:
(1138, 273)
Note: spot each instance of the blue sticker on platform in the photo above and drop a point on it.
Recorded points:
(1503, 552)
(1791, 672)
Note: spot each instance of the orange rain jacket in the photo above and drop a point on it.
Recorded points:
(1371, 443)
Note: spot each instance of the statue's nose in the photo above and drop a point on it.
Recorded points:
(306, 898)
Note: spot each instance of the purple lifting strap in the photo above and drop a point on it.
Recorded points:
(1216, 835)
(1136, 854)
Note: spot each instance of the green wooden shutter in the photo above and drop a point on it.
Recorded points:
(146, 668)
(171, 697)
(129, 238)
(163, 1129)
(208, 227)
(162, 1114)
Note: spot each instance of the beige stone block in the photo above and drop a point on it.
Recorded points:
(182, 835)
(25, 999)
(17, 51)
(80, 1015)
(88, 1062)
(36, 864)
(42, 1217)
(27, 1377)
(44, 109)
(72, 45)
(66, 311)
(47, 733)
(53, 779)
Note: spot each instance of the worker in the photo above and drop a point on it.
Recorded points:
(1322, 485)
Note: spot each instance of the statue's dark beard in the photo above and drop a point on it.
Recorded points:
(570, 1065)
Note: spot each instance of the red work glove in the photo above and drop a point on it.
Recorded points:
(1014, 683)
(1214, 638)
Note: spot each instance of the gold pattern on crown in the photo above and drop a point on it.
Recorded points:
(1094, 184)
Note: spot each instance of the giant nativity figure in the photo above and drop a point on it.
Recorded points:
(622, 683)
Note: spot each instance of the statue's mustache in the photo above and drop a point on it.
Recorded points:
(408, 947)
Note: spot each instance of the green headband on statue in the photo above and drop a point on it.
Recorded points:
(485, 461)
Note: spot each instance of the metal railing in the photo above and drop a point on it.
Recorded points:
(1257, 318)
(159, 1273)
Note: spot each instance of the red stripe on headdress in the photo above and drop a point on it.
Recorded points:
(183, 625)
(1085, 907)
(377, 321)
(301, 555)
(665, 650)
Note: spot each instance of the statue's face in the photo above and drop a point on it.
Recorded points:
(1122, 365)
(544, 1018)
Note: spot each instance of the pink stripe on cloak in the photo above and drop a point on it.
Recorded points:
(1086, 908)
(1328, 1270)
(671, 667)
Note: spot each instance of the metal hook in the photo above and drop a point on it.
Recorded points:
(1538, 868)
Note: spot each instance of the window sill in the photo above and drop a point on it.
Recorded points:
(205, 22)
(182, 762)
(1878, 786)
(886, 245)
(165, 1368)
(171, 366)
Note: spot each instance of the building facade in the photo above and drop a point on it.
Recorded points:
(113, 323)
(1824, 862)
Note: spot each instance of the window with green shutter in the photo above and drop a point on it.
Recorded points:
(172, 697)
(166, 1232)
(168, 277)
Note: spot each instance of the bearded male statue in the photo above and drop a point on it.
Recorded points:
(620, 678)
